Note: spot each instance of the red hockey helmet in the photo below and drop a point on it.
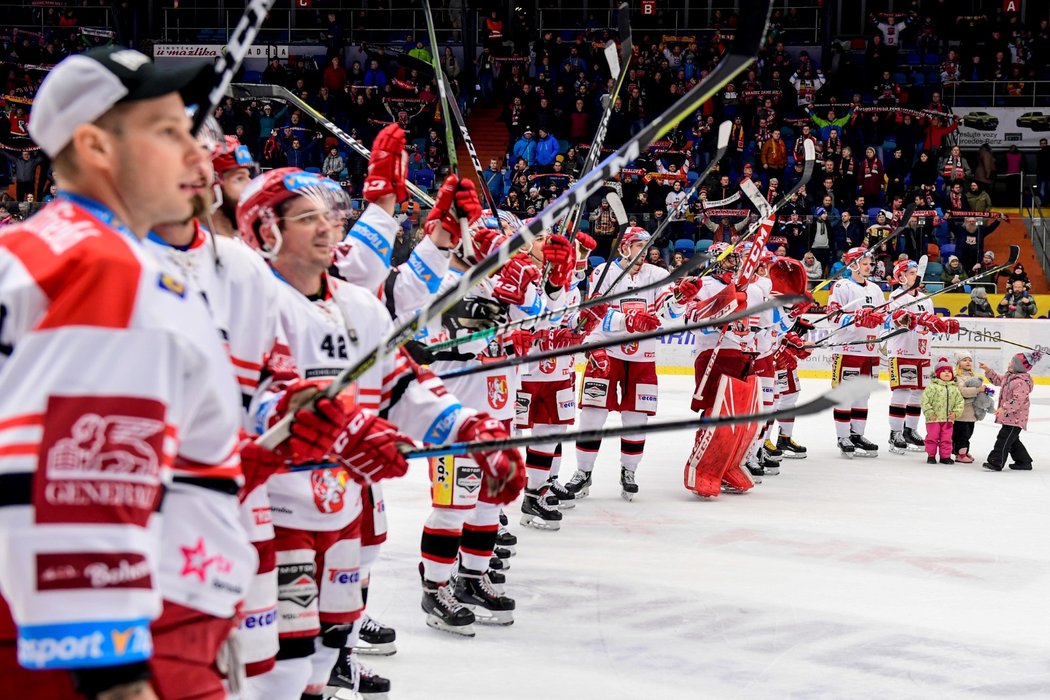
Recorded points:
(901, 268)
(262, 197)
(633, 234)
(232, 154)
(854, 255)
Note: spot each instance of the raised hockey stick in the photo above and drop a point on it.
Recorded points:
(892, 334)
(707, 322)
(618, 211)
(908, 211)
(736, 59)
(923, 261)
(230, 61)
(242, 91)
(845, 393)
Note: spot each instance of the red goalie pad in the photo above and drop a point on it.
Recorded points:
(719, 451)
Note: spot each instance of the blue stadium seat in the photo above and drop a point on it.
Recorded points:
(872, 213)
(595, 260)
(692, 176)
(947, 251)
(933, 271)
(932, 59)
(918, 78)
(933, 286)
(913, 57)
(684, 245)
(703, 244)
(585, 225)
(900, 78)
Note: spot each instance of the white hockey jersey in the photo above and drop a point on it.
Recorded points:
(564, 366)
(739, 335)
(657, 301)
(112, 381)
(853, 297)
(916, 342)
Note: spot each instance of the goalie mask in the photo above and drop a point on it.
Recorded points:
(725, 259)
(260, 208)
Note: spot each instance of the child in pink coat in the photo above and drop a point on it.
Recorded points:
(1012, 413)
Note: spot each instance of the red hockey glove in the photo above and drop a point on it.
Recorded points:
(869, 318)
(686, 289)
(556, 338)
(584, 244)
(794, 341)
(504, 470)
(951, 326)
(599, 360)
(386, 166)
(514, 280)
(485, 241)
(257, 464)
(641, 322)
(591, 317)
(456, 198)
(932, 322)
(519, 342)
(902, 318)
(312, 429)
(368, 448)
(558, 253)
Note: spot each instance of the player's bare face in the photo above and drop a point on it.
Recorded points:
(309, 234)
(233, 183)
(909, 277)
(632, 252)
(536, 249)
(863, 269)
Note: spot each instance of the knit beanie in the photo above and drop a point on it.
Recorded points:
(943, 366)
(1024, 361)
(963, 355)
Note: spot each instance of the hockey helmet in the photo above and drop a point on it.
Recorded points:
(232, 154)
(262, 197)
(854, 255)
(509, 222)
(901, 268)
(724, 256)
(633, 234)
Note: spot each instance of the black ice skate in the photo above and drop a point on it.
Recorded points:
(754, 469)
(790, 449)
(537, 512)
(503, 553)
(474, 590)
(498, 578)
(506, 539)
(771, 451)
(376, 639)
(351, 679)
(443, 611)
(498, 564)
(846, 445)
(580, 484)
(898, 445)
(916, 443)
(864, 446)
(566, 498)
(628, 485)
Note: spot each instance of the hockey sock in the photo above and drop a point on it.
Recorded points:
(288, 679)
(323, 660)
(858, 419)
(842, 419)
(479, 536)
(787, 426)
(587, 450)
(440, 544)
(556, 462)
(538, 465)
(898, 400)
(914, 410)
(632, 446)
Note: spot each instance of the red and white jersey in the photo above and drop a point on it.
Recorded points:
(556, 368)
(364, 256)
(657, 300)
(326, 335)
(417, 280)
(767, 338)
(738, 335)
(916, 342)
(853, 297)
(113, 384)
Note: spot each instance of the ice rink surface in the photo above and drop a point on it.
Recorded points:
(865, 578)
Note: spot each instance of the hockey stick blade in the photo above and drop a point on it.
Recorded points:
(847, 392)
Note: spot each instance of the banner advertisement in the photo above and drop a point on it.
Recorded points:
(950, 304)
(216, 50)
(1003, 126)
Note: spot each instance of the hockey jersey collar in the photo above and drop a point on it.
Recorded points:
(100, 212)
(198, 238)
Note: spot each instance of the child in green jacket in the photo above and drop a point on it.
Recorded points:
(942, 403)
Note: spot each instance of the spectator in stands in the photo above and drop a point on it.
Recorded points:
(677, 260)
(977, 199)
(954, 166)
(333, 164)
(546, 150)
(25, 166)
(525, 147)
(870, 175)
(604, 227)
(814, 270)
(848, 234)
(334, 76)
(969, 240)
(1019, 274)
(493, 177)
(985, 171)
(656, 257)
(953, 272)
(823, 235)
(979, 307)
(1017, 303)
(774, 154)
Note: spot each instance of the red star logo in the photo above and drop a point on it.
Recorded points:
(197, 561)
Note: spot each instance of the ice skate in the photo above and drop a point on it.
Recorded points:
(566, 498)
(761, 466)
(790, 449)
(506, 539)
(754, 469)
(864, 446)
(846, 445)
(916, 443)
(498, 564)
(474, 590)
(376, 639)
(580, 484)
(351, 679)
(537, 512)
(771, 451)
(498, 579)
(898, 445)
(443, 611)
(627, 484)
(503, 553)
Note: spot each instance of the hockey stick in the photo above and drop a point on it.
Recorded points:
(618, 211)
(707, 322)
(892, 334)
(230, 61)
(675, 275)
(908, 210)
(845, 393)
(736, 59)
(242, 91)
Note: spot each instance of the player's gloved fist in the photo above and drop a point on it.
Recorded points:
(869, 318)
(951, 326)
(599, 360)
(313, 427)
(591, 317)
(386, 166)
(473, 314)
(486, 240)
(932, 322)
(519, 342)
(555, 338)
(504, 470)
(514, 280)
(794, 340)
(368, 447)
(558, 253)
(257, 464)
(902, 318)
(640, 322)
(686, 289)
(584, 243)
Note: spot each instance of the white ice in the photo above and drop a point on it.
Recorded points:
(865, 578)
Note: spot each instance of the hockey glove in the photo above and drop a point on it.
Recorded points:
(257, 464)
(558, 253)
(794, 341)
(902, 318)
(368, 447)
(504, 470)
(473, 314)
(951, 326)
(556, 338)
(869, 318)
(485, 241)
(641, 322)
(456, 198)
(313, 428)
(584, 245)
(590, 318)
(518, 342)
(686, 289)
(932, 322)
(514, 280)
(599, 361)
(386, 166)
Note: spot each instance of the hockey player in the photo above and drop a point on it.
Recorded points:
(115, 373)
(624, 378)
(234, 169)
(292, 216)
(792, 348)
(908, 356)
(761, 460)
(855, 298)
(546, 402)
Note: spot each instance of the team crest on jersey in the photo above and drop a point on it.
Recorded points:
(498, 391)
(629, 348)
(548, 366)
(329, 489)
(922, 346)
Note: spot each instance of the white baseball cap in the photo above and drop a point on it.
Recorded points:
(83, 87)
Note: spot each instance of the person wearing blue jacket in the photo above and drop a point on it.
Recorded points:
(525, 147)
(546, 150)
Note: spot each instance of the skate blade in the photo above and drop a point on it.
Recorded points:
(789, 455)
(627, 496)
(772, 471)
(847, 455)
(866, 453)
(331, 691)
(441, 625)
(538, 523)
(916, 448)
(733, 489)
(898, 451)
(498, 618)
(583, 493)
(366, 649)
(567, 505)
